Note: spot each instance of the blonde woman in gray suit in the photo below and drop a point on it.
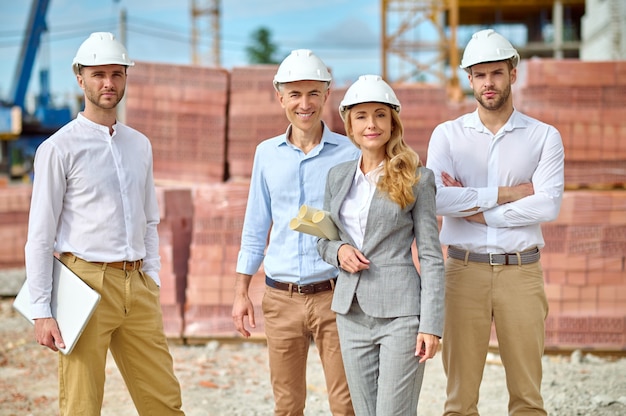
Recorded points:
(389, 315)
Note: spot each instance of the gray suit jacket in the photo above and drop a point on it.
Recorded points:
(392, 286)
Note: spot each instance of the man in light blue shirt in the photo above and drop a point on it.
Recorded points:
(288, 171)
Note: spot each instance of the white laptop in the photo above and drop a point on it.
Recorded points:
(73, 303)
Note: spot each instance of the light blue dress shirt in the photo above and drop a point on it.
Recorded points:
(283, 179)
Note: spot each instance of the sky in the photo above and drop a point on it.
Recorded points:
(344, 33)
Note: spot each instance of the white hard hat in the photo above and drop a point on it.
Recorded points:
(369, 89)
(301, 65)
(488, 46)
(101, 48)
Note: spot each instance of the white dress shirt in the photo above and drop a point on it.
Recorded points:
(355, 208)
(93, 195)
(524, 150)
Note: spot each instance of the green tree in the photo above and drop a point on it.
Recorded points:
(262, 50)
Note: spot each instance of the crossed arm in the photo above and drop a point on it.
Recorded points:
(505, 194)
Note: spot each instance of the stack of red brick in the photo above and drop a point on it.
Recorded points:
(175, 228)
(183, 111)
(218, 217)
(253, 115)
(204, 125)
(14, 206)
(585, 101)
(584, 263)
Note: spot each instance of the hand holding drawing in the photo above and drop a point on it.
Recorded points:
(317, 222)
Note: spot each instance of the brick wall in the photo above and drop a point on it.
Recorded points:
(204, 125)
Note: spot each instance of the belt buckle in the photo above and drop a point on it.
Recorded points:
(492, 262)
(130, 265)
(306, 289)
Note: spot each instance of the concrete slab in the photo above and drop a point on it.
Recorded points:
(11, 280)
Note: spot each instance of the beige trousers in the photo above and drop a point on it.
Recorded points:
(292, 321)
(127, 321)
(513, 298)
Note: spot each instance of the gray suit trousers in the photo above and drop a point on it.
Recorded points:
(384, 375)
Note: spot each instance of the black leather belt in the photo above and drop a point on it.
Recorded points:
(302, 289)
(506, 259)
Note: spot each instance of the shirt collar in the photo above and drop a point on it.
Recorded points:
(91, 124)
(515, 121)
(327, 136)
(372, 176)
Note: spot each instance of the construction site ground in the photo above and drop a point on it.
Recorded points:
(230, 378)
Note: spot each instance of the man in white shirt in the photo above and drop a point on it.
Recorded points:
(499, 175)
(94, 204)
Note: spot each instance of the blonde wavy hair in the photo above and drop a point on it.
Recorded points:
(400, 163)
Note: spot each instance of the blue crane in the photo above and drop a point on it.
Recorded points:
(35, 28)
(21, 132)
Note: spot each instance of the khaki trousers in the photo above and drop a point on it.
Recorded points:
(127, 321)
(513, 298)
(291, 322)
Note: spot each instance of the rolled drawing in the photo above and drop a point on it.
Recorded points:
(325, 223)
(306, 212)
(307, 227)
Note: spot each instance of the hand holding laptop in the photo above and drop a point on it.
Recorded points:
(49, 326)
(73, 303)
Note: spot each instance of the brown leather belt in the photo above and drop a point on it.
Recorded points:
(120, 265)
(506, 259)
(302, 289)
